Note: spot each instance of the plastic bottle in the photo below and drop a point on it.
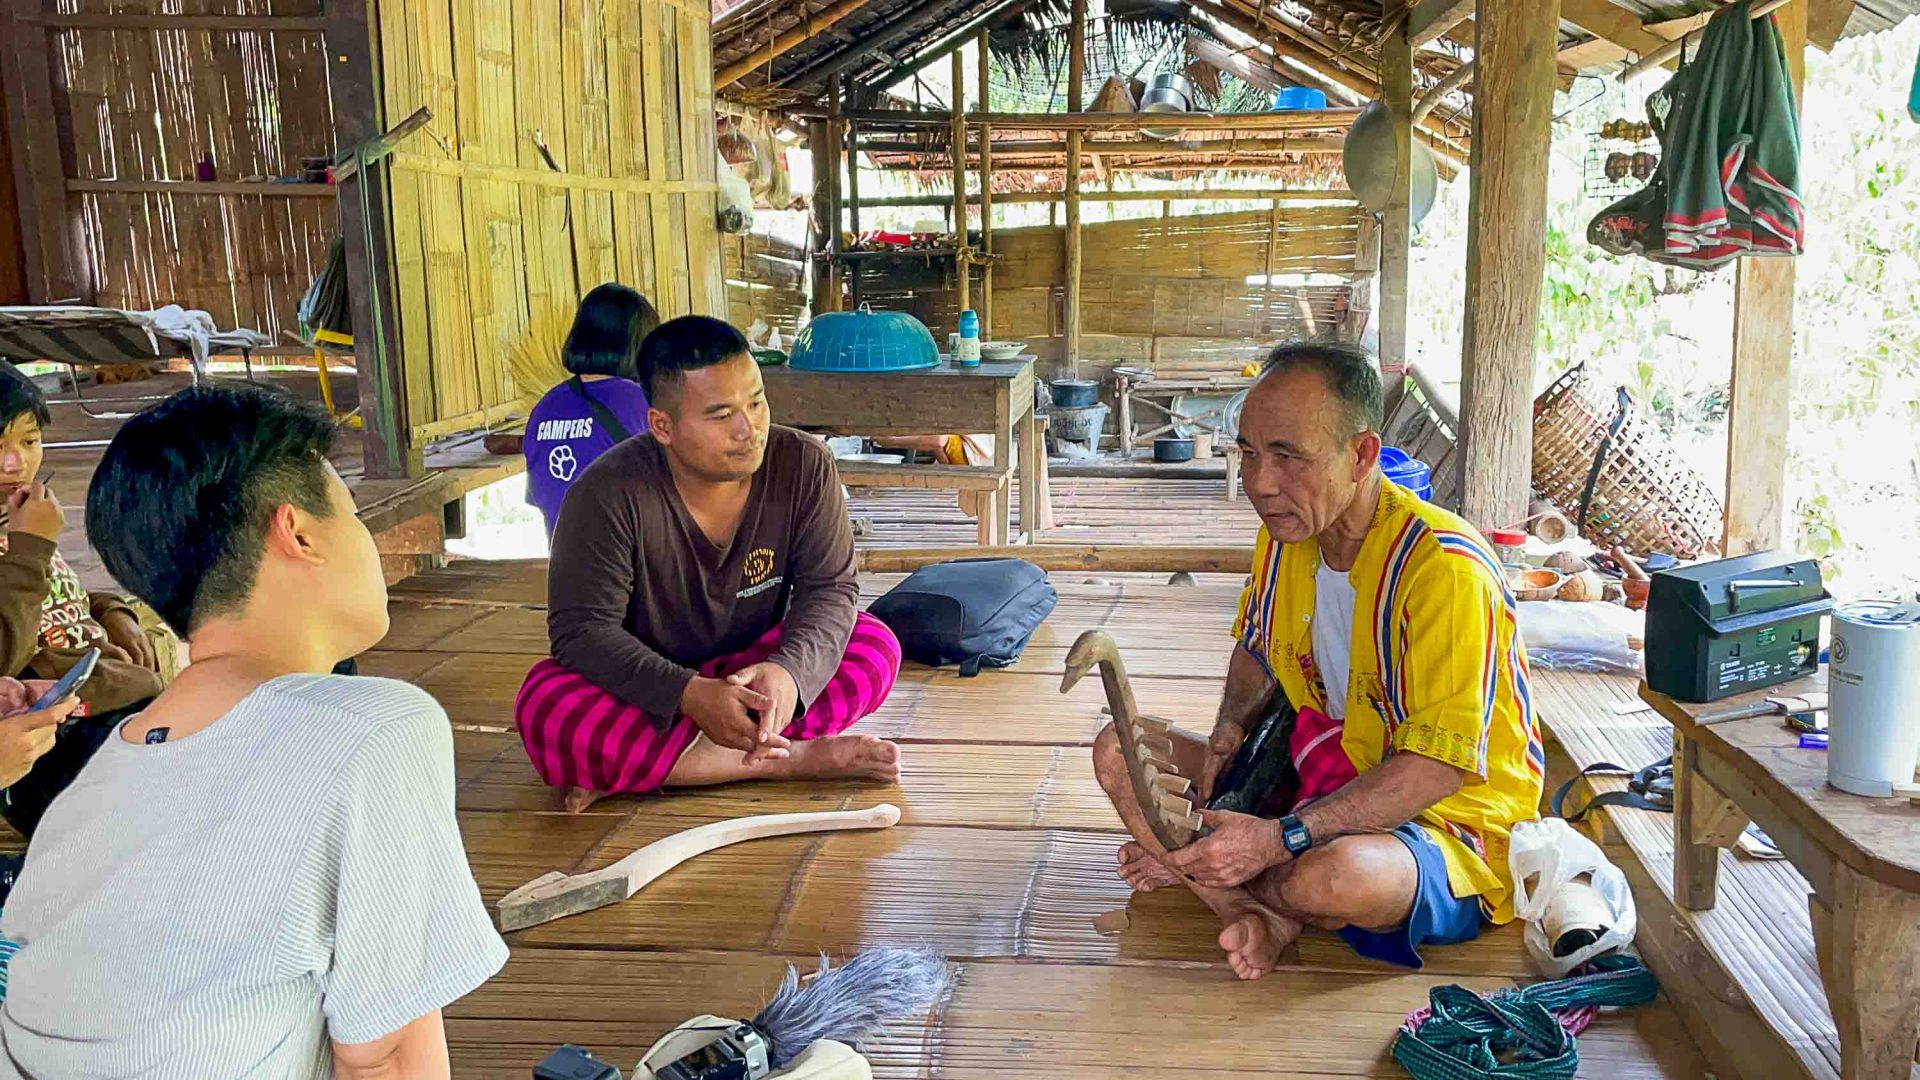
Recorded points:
(966, 351)
(1913, 94)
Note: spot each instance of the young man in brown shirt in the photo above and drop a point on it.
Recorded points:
(701, 598)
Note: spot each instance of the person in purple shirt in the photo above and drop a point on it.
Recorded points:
(601, 405)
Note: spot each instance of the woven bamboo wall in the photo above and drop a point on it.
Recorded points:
(1167, 293)
(485, 232)
(138, 106)
(766, 280)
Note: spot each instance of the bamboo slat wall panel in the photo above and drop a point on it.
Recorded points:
(137, 103)
(486, 234)
(766, 280)
(1171, 293)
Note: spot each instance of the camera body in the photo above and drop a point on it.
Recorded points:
(572, 1062)
(738, 1053)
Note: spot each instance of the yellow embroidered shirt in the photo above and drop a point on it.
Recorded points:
(1436, 668)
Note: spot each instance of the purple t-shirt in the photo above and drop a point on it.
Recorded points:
(563, 437)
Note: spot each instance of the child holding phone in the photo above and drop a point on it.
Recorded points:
(49, 621)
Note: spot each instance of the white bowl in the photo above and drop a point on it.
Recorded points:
(1002, 350)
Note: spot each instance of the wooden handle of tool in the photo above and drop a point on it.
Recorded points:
(663, 855)
(555, 895)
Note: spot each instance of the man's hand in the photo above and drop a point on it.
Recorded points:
(24, 736)
(728, 714)
(33, 509)
(1234, 853)
(125, 634)
(776, 684)
(1225, 742)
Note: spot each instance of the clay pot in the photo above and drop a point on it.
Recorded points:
(1636, 592)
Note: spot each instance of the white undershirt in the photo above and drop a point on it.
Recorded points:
(1333, 634)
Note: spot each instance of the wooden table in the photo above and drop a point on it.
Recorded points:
(995, 398)
(1861, 855)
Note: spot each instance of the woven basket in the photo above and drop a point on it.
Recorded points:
(1643, 498)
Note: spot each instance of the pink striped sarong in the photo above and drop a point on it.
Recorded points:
(1318, 757)
(578, 735)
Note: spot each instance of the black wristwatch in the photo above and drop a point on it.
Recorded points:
(1294, 834)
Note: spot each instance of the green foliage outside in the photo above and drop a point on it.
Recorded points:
(1854, 443)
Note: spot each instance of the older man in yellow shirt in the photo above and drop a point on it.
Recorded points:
(1386, 621)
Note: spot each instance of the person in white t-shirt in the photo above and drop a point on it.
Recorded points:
(261, 874)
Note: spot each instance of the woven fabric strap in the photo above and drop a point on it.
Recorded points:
(1522, 1034)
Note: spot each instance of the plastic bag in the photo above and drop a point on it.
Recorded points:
(1581, 637)
(1547, 857)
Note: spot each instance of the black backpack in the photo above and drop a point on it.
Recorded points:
(971, 612)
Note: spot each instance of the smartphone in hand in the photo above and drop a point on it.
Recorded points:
(69, 683)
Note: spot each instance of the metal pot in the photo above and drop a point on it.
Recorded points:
(1075, 393)
(1369, 160)
(1168, 449)
(1173, 80)
(1167, 93)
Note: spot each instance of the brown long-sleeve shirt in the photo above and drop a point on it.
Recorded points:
(638, 597)
(48, 621)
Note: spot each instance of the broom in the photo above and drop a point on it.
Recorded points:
(533, 360)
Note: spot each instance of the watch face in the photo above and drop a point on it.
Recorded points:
(1295, 837)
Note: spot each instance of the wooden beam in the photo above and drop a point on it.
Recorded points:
(26, 82)
(1025, 197)
(808, 27)
(1076, 74)
(1396, 226)
(1292, 120)
(203, 187)
(986, 192)
(1827, 20)
(365, 226)
(963, 274)
(1670, 51)
(1063, 557)
(824, 215)
(1360, 82)
(1139, 148)
(1366, 270)
(1431, 100)
(1506, 255)
(274, 24)
(1430, 20)
(1760, 400)
(1605, 19)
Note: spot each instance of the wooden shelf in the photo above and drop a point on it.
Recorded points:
(902, 253)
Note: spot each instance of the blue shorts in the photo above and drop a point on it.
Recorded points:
(1438, 917)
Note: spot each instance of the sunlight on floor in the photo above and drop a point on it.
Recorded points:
(501, 524)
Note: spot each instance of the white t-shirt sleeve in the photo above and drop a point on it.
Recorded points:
(411, 934)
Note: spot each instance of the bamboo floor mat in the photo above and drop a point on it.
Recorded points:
(1004, 855)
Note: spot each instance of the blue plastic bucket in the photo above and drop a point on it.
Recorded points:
(1299, 97)
(1409, 472)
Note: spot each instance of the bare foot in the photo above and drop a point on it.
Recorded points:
(579, 798)
(1254, 937)
(843, 757)
(1140, 869)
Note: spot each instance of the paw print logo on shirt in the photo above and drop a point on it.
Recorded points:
(562, 464)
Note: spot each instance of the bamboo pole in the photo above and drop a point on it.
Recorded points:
(1076, 74)
(962, 272)
(1006, 148)
(1396, 227)
(1273, 241)
(1056, 197)
(853, 187)
(1674, 48)
(986, 191)
(808, 28)
(1064, 557)
(835, 144)
(1290, 120)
